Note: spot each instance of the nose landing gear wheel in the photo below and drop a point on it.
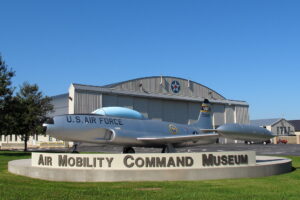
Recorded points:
(75, 146)
(168, 149)
(128, 150)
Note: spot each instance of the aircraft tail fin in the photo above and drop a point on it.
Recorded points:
(204, 119)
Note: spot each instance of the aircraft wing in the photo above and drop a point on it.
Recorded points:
(179, 138)
(209, 130)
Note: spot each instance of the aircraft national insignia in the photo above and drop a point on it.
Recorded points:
(173, 129)
(175, 86)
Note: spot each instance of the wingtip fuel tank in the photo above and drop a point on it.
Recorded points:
(244, 132)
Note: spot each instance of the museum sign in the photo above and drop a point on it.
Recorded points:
(144, 161)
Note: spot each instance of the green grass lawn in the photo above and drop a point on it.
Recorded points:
(285, 186)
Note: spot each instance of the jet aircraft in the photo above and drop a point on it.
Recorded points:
(129, 128)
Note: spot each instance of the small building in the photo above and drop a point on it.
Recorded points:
(296, 124)
(60, 103)
(278, 126)
(16, 142)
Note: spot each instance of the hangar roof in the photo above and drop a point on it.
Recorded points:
(265, 122)
(296, 124)
(164, 85)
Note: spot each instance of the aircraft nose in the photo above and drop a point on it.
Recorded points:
(49, 121)
(44, 128)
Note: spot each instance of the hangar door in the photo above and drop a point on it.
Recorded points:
(86, 102)
(155, 109)
(218, 115)
(242, 116)
(229, 114)
(175, 111)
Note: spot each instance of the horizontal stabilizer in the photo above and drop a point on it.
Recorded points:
(178, 138)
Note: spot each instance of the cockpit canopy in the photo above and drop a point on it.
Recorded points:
(119, 112)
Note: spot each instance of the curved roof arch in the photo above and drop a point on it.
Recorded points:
(163, 85)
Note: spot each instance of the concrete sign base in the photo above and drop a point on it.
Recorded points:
(264, 166)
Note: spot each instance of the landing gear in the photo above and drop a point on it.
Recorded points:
(75, 146)
(128, 150)
(168, 149)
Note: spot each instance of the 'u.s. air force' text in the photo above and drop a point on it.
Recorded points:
(93, 120)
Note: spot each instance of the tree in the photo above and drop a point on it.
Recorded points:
(31, 108)
(6, 92)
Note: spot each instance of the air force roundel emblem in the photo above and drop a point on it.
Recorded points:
(173, 129)
(175, 86)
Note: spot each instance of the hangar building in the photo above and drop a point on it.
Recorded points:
(161, 98)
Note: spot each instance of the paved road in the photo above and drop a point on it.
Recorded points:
(270, 149)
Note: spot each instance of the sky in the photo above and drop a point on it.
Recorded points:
(245, 50)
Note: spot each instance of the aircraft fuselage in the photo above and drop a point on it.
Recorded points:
(93, 128)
